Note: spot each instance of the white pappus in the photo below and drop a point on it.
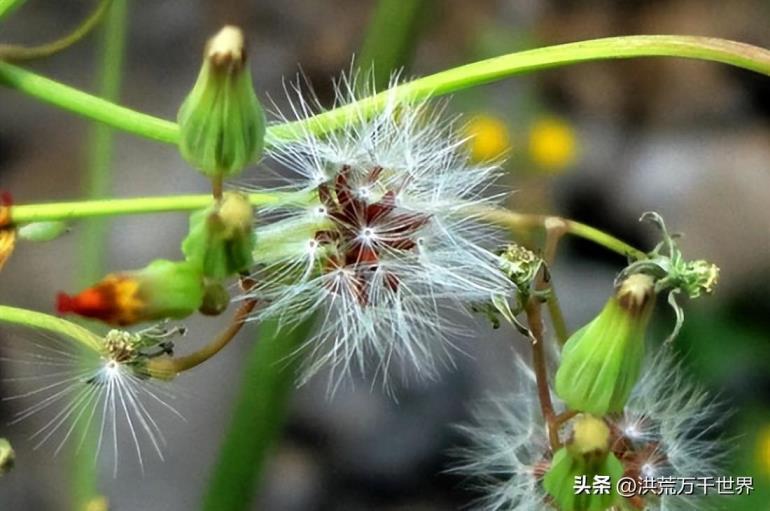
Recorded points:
(390, 242)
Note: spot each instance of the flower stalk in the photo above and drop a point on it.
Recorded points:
(446, 82)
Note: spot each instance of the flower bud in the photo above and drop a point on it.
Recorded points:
(42, 231)
(7, 456)
(162, 290)
(221, 238)
(586, 456)
(602, 361)
(221, 122)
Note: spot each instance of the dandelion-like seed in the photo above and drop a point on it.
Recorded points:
(389, 242)
(668, 430)
(105, 390)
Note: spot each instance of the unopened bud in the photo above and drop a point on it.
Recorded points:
(221, 122)
(221, 238)
(601, 362)
(42, 231)
(586, 458)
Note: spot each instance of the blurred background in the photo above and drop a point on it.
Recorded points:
(600, 143)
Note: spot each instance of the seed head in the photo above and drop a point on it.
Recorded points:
(388, 244)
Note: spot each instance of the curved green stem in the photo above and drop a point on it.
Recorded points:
(87, 105)
(524, 221)
(51, 324)
(486, 71)
(16, 53)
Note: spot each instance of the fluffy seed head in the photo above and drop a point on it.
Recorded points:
(389, 240)
(669, 428)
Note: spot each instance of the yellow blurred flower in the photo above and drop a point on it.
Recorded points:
(488, 138)
(763, 450)
(552, 144)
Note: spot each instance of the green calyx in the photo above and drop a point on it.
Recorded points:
(221, 238)
(601, 362)
(560, 481)
(170, 289)
(221, 122)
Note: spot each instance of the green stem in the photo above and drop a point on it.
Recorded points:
(8, 6)
(51, 324)
(446, 82)
(527, 222)
(16, 53)
(260, 409)
(390, 39)
(98, 180)
(64, 211)
(87, 105)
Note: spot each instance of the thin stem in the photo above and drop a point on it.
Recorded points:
(84, 477)
(65, 211)
(87, 105)
(557, 317)
(51, 324)
(167, 368)
(540, 366)
(527, 222)
(562, 418)
(446, 82)
(555, 228)
(390, 38)
(16, 53)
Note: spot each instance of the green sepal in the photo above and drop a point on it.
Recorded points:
(559, 481)
(170, 289)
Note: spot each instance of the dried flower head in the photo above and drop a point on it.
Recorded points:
(389, 240)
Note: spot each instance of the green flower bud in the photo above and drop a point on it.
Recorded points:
(602, 361)
(7, 456)
(222, 125)
(161, 290)
(42, 231)
(221, 238)
(585, 457)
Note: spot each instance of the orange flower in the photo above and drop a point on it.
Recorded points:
(7, 231)
(162, 290)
